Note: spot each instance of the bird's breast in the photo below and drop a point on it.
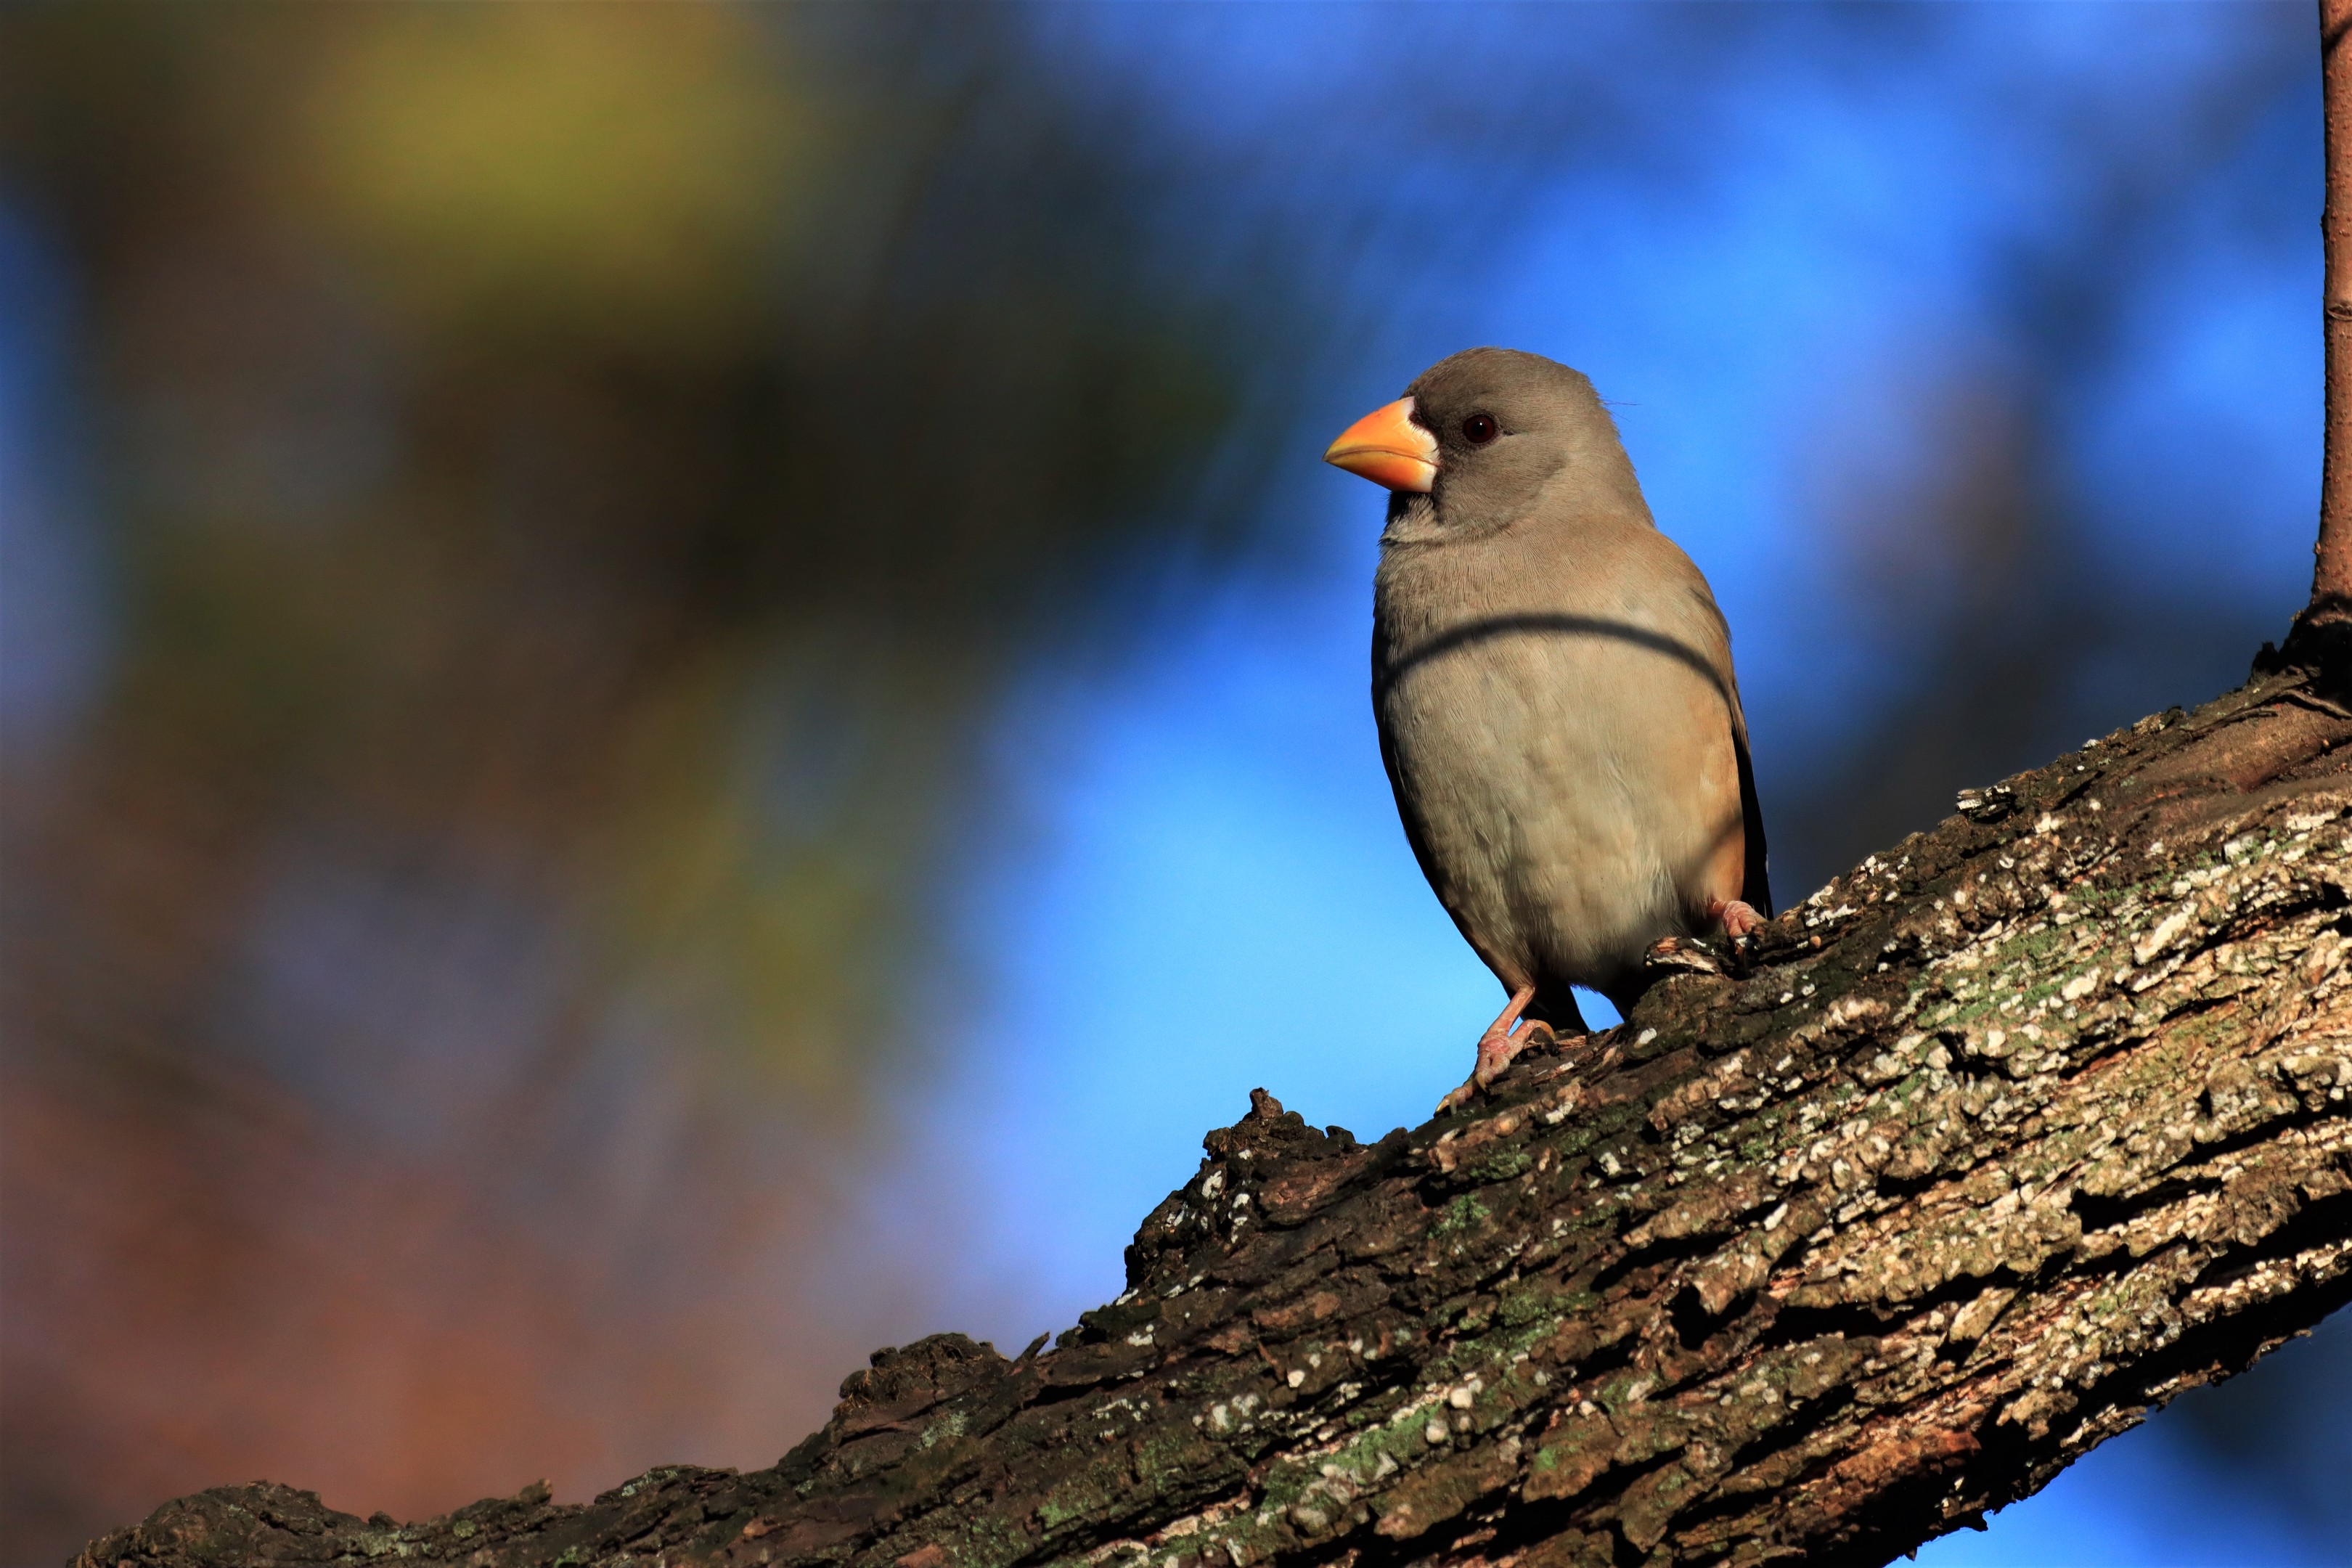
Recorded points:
(1566, 769)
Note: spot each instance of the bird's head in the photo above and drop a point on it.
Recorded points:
(1483, 431)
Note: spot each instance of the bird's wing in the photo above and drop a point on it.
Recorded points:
(1756, 882)
(1416, 833)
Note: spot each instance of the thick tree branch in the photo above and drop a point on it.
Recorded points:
(1993, 1144)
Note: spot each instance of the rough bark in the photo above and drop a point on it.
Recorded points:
(1984, 1149)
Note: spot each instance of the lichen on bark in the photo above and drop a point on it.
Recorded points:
(1974, 1157)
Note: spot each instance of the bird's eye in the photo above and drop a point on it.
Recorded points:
(1480, 428)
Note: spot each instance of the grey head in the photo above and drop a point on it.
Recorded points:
(1515, 430)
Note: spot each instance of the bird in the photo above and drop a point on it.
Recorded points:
(1553, 689)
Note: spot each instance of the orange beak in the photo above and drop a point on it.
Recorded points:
(1388, 448)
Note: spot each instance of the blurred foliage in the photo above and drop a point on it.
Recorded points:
(616, 178)
(574, 434)
(576, 479)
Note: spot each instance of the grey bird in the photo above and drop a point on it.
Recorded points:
(1554, 691)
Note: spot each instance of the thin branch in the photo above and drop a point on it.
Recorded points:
(2331, 582)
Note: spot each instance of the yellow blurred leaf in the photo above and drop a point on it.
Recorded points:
(615, 174)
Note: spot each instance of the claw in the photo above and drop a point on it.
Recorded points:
(1505, 1038)
(1738, 919)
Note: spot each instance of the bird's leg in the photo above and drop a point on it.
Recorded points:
(1505, 1038)
(1738, 919)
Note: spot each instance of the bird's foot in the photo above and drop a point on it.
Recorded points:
(1505, 1038)
(1738, 919)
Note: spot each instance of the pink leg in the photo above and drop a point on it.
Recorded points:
(1738, 919)
(1505, 1038)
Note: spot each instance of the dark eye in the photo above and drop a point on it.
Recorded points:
(1480, 428)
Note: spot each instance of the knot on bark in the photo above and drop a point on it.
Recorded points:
(1270, 1133)
(2318, 642)
(918, 1374)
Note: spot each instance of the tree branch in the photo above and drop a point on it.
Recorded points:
(1989, 1147)
(2333, 577)
(2328, 619)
